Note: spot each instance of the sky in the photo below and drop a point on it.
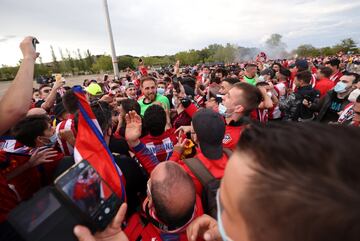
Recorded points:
(159, 27)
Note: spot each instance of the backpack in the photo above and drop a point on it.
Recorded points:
(208, 181)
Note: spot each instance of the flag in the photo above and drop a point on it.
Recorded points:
(91, 146)
(8, 144)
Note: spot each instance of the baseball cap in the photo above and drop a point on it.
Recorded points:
(94, 89)
(209, 127)
(129, 85)
(302, 63)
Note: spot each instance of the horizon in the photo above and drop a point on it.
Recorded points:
(196, 25)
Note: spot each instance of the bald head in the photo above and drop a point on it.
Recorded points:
(36, 111)
(173, 194)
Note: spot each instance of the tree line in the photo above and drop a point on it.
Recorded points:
(80, 63)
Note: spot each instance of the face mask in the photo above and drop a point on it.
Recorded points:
(222, 111)
(220, 224)
(340, 87)
(354, 95)
(52, 139)
(160, 91)
(173, 101)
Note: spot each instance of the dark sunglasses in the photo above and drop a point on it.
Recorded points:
(46, 91)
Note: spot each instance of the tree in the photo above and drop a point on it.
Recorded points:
(42, 69)
(347, 46)
(126, 62)
(306, 50)
(327, 51)
(190, 57)
(103, 63)
(225, 54)
(70, 61)
(204, 54)
(55, 63)
(79, 63)
(89, 60)
(64, 65)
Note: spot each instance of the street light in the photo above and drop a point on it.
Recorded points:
(112, 46)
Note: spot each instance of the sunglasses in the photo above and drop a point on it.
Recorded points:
(46, 91)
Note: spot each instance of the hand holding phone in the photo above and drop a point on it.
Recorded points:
(85, 190)
(28, 48)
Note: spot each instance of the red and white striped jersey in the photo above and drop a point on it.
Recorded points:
(65, 147)
(336, 76)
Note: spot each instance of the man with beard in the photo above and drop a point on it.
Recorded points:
(149, 90)
(335, 100)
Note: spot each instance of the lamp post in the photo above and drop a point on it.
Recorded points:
(112, 46)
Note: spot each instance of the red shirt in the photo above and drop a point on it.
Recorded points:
(232, 136)
(336, 76)
(215, 167)
(25, 184)
(232, 131)
(261, 115)
(161, 146)
(324, 85)
(137, 230)
(8, 199)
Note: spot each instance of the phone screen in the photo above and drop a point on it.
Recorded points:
(86, 189)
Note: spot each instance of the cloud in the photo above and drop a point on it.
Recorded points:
(6, 38)
(156, 27)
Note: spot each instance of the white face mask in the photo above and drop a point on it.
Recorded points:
(174, 101)
(340, 87)
(354, 95)
(223, 110)
(221, 228)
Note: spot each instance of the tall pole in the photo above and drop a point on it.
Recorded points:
(113, 53)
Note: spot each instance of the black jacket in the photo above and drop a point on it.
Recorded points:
(292, 106)
(323, 105)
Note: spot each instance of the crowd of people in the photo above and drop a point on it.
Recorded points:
(257, 150)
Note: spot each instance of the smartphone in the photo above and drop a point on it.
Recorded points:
(35, 42)
(83, 188)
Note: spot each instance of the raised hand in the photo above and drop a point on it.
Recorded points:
(180, 146)
(133, 128)
(42, 156)
(184, 129)
(28, 49)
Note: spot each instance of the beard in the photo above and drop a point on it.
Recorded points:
(151, 96)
